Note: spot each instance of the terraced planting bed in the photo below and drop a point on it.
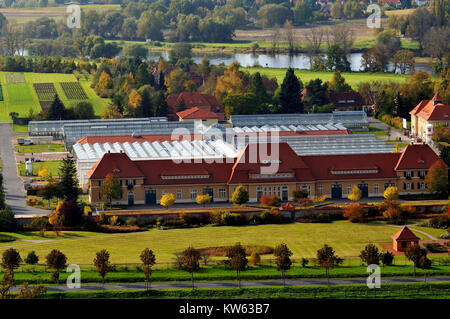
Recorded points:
(45, 91)
(73, 91)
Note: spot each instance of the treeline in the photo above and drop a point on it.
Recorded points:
(39, 64)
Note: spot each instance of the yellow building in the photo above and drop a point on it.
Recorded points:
(145, 181)
(426, 113)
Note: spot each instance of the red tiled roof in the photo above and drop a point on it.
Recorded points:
(288, 206)
(196, 113)
(321, 166)
(118, 164)
(132, 139)
(405, 234)
(417, 156)
(253, 159)
(432, 109)
(194, 99)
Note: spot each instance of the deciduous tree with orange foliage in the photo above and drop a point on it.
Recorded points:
(270, 200)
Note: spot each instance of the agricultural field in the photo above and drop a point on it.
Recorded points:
(25, 91)
(73, 91)
(39, 148)
(351, 78)
(303, 239)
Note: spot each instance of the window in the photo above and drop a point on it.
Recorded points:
(99, 183)
(193, 194)
(386, 185)
(120, 182)
(320, 190)
(131, 182)
(421, 185)
(222, 192)
(179, 194)
(408, 174)
(422, 174)
(376, 188)
(349, 188)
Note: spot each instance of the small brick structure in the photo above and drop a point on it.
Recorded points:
(403, 239)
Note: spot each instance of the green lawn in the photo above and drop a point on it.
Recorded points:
(303, 239)
(351, 78)
(436, 232)
(20, 128)
(20, 97)
(52, 167)
(39, 148)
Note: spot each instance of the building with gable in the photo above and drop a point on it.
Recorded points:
(428, 112)
(145, 181)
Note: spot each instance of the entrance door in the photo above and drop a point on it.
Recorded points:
(336, 191)
(130, 199)
(284, 194)
(150, 197)
(364, 190)
(209, 191)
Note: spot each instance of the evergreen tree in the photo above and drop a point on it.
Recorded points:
(290, 94)
(160, 104)
(337, 59)
(257, 87)
(69, 182)
(143, 76)
(56, 111)
(338, 84)
(445, 154)
(316, 93)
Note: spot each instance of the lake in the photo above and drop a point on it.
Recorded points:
(281, 61)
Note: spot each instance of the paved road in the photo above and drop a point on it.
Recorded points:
(15, 193)
(233, 284)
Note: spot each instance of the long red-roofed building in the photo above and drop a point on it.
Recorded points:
(268, 171)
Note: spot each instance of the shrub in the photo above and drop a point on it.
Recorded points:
(32, 258)
(304, 202)
(305, 262)
(271, 217)
(436, 248)
(114, 220)
(255, 259)
(39, 222)
(299, 194)
(355, 213)
(394, 212)
(132, 221)
(232, 219)
(440, 222)
(103, 219)
(387, 258)
(270, 200)
(319, 198)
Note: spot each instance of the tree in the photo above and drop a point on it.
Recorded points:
(356, 194)
(203, 199)
(289, 35)
(191, 261)
(282, 259)
(101, 262)
(404, 60)
(337, 59)
(272, 14)
(56, 260)
(49, 191)
(111, 112)
(148, 260)
(167, 200)
(137, 51)
(111, 188)
(338, 84)
(370, 255)
(237, 258)
(414, 253)
(178, 81)
(391, 193)
(11, 260)
(180, 51)
(424, 263)
(56, 111)
(7, 221)
(327, 259)
(150, 26)
(69, 180)
(420, 21)
(84, 110)
(13, 116)
(32, 258)
(240, 196)
(290, 94)
(270, 200)
(437, 178)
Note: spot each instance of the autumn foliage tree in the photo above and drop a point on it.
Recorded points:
(102, 264)
(270, 200)
(203, 199)
(283, 259)
(167, 200)
(148, 260)
(11, 260)
(56, 260)
(327, 259)
(355, 194)
(190, 259)
(111, 188)
(355, 213)
(370, 255)
(104, 84)
(240, 196)
(437, 179)
(414, 253)
(237, 257)
(391, 193)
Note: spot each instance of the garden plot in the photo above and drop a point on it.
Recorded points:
(15, 77)
(73, 91)
(45, 91)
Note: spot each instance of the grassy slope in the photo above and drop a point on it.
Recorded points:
(21, 96)
(303, 239)
(351, 78)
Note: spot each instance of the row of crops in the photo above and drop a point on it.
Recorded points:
(72, 91)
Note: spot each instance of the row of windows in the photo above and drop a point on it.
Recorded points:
(409, 174)
(410, 186)
(193, 193)
(376, 187)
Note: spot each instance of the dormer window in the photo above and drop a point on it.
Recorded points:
(116, 170)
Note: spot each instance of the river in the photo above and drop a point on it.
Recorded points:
(297, 61)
